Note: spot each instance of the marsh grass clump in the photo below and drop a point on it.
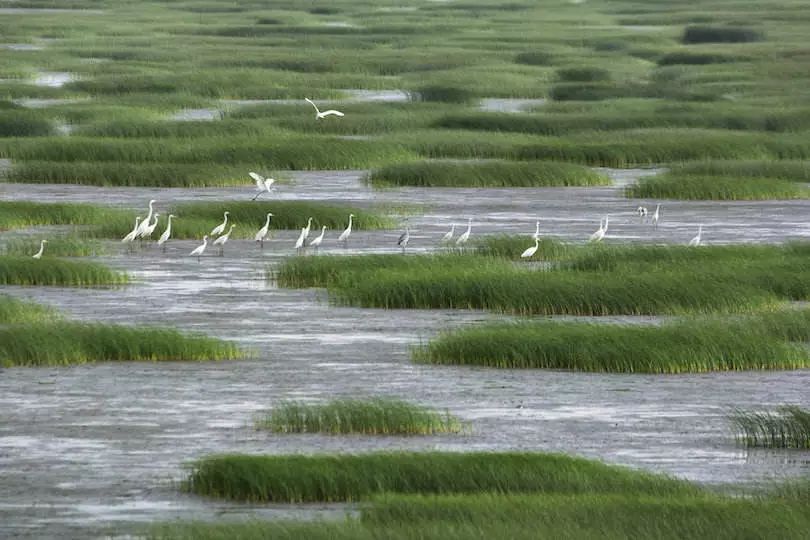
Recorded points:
(786, 427)
(687, 346)
(377, 416)
(69, 343)
(535, 58)
(16, 270)
(61, 246)
(583, 74)
(486, 174)
(14, 311)
(794, 171)
(15, 123)
(693, 58)
(716, 188)
(17, 214)
(720, 34)
(332, 478)
(511, 247)
(442, 94)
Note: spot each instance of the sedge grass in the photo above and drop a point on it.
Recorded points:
(378, 416)
(14, 311)
(717, 188)
(332, 478)
(786, 427)
(27, 271)
(688, 346)
(486, 174)
(69, 343)
(512, 246)
(61, 246)
(18, 214)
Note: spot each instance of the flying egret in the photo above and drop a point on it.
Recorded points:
(262, 184)
(344, 236)
(696, 240)
(262, 234)
(656, 215)
(307, 228)
(222, 239)
(404, 238)
(531, 251)
(299, 244)
(219, 229)
(167, 233)
(536, 234)
(149, 229)
(316, 242)
(449, 234)
(38, 254)
(145, 223)
(600, 233)
(466, 236)
(324, 114)
(200, 250)
(131, 236)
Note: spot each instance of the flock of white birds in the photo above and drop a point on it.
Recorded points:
(144, 228)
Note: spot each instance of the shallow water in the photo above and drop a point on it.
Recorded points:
(89, 450)
(509, 105)
(21, 47)
(53, 79)
(190, 115)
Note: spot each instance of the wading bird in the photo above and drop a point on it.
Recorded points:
(222, 239)
(299, 244)
(641, 212)
(133, 233)
(531, 251)
(656, 215)
(601, 231)
(167, 233)
(145, 223)
(404, 238)
(38, 254)
(536, 234)
(449, 234)
(262, 234)
(316, 242)
(696, 240)
(263, 185)
(324, 114)
(344, 236)
(200, 250)
(149, 229)
(307, 228)
(466, 236)
(219, 229)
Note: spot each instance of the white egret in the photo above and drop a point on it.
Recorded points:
(449, 234)
(324, 114)
(344, 236)
(656, 215)
(307, 228)
(200, 250)
(167, 233)
(133, 233)
(262, 184)
(145, 223)
(299, 244)
(531, 251)
(641, 212)
(316, 242)
(696, 240)
(404, 238)
(536, 235)
(38, 254)
(466, 236)
(222, 239)
(149, 229)
(262, 234)
(600, 233)
(219, 229)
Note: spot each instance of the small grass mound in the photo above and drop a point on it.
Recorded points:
(17, 214)
(13, 311)
(787, 427)
(719, 34)
(379, 416)
(443, 94)
(716, 188)
(332, 478)
(69, 343)
(512, 246)
(62, 246)
(487, 174)
(689, 346)
(28, 271)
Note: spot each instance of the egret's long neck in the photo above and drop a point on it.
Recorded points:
(607, 218)
(350, 223)
(469, 226)
(267, 223)
(41, 247)
(169, 223)
(317, 110)
(537, 228)
(453, 228)
(226, 220)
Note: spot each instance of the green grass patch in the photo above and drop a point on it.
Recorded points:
(69, 343)
(377, 416)
(687, 346)
(512, 246)
(720, 34)
(331, 478)
(13, 311)
(60, 246)
(786, 427)
(16, 270)
(486, 174)
(795, 171)
(716, 188)
(19, 214)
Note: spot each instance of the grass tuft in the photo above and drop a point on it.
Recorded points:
(13, 311)
(51, 271)
(787, 427)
